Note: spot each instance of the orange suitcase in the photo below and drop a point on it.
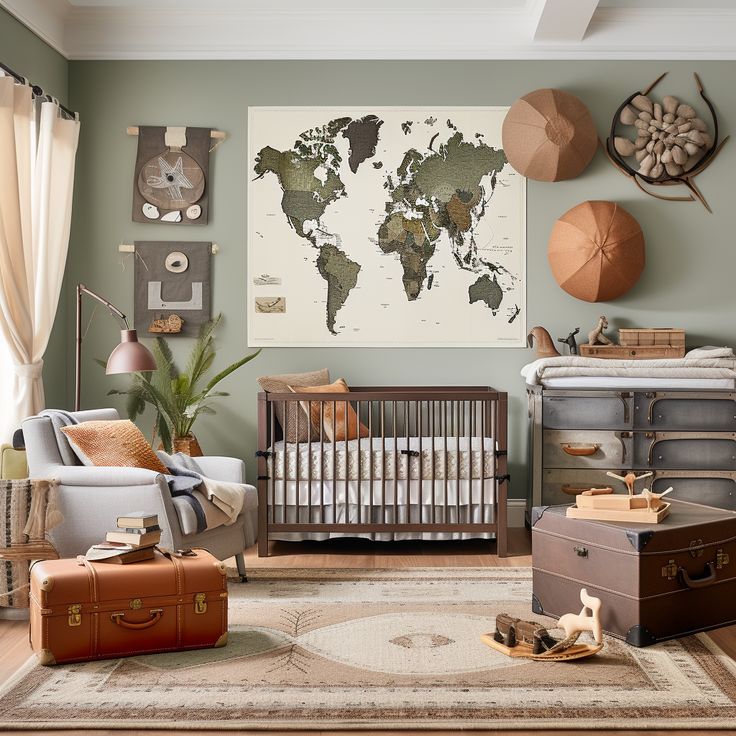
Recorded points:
(83, 610)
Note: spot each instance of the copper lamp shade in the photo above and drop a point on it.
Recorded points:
(596, 251)
(549, 135)
(130, 356)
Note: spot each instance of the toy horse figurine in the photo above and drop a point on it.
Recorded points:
(570, 341)
(531, 640)
(544, 343)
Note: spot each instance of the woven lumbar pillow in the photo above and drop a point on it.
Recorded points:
(118, 443)
(295, 424)
(338, 418)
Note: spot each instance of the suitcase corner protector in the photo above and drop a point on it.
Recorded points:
(537, 606)
(640, 636)
(639, 538)
(537, 513)
(45, 657)
(222, 641)
(47, 584)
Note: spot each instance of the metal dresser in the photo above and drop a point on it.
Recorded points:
(686, 438)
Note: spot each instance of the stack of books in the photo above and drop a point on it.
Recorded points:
(133, 541)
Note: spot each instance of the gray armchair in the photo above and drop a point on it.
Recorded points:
(91, 498)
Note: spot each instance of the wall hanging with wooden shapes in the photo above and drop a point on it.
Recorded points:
(171, 182)
(172, 287)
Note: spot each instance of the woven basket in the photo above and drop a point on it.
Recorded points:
(188, 445)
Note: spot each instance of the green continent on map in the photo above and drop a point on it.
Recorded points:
(305, 196)
(486, 290)
(341, 275)
(363, 137)
(438, 192)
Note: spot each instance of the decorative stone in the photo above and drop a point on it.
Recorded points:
(150, 211)
(624, 146)
(628, 115)
(640, 102)
(670, 104)
(686, 111)
(194, 212)
(174, 216)
(673, 169)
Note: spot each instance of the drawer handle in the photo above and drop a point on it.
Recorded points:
(580, 450)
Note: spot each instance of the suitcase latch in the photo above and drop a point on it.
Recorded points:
(135, 603)
(721, 559)
(669, 570)
(200, 604)
(696, 548)
(580, 551)
(75, 614)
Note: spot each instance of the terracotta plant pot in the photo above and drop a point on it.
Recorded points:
(188, 445)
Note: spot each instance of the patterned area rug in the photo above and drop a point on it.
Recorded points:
(355, 649)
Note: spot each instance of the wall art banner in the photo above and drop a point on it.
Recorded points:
(172, 288)
(170, 184)
(384, 226)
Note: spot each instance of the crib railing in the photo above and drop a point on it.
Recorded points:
(353, 485)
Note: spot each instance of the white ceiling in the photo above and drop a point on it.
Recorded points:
(383, 29)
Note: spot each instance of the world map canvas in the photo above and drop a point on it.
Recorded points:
(384, 226)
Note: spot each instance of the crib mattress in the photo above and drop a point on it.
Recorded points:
(387, 458)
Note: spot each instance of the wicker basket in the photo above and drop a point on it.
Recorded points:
(188, 445)
(649, 336)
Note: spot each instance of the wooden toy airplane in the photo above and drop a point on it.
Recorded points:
(603, 504)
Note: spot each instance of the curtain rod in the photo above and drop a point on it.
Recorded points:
(36, 89)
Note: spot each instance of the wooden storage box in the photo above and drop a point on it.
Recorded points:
(641, 336)
(624, 352)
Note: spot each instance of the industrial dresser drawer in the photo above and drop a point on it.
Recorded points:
(581, 410)
(684, 410)
(709, 487)
(564, 448)
(685, 450)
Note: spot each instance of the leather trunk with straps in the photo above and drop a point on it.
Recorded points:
(656, 581)
(83, 610)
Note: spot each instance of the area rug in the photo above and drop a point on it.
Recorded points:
(372, 649)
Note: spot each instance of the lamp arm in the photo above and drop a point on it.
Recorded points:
(82, 289)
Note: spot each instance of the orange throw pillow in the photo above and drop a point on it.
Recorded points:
(344, 425)
(118, 443)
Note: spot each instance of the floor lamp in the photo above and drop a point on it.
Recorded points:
(127, 357)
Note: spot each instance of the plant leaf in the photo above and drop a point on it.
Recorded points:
(233, 367)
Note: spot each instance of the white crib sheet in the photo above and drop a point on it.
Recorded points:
(454, 458)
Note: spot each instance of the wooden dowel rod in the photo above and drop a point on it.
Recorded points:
(219, 134)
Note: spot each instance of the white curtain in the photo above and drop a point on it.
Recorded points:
(37, 151)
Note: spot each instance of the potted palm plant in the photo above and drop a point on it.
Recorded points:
(179, 397)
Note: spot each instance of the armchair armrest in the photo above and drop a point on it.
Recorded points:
(230, 469)
(84, 475)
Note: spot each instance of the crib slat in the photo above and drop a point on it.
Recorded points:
(418, 429)
(347, 461)
(359, 483)
(334, 463)
(434, 473)
(396, 464)
(309, 462)
(322, 469)
(370, 458)
(383, 461)
(445, 427)
(284, 473)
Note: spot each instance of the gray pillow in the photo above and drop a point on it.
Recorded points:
(295, 424)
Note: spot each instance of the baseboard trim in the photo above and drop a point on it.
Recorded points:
(516, 512)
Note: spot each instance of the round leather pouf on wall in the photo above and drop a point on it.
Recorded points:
(549, 135)
(596, 251)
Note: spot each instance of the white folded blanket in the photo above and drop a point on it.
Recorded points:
(699, 363)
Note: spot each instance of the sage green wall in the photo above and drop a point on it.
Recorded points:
(25, 53)
(691, 255)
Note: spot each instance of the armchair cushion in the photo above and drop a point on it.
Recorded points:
(116, 443)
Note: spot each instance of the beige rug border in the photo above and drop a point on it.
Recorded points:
(332, 725)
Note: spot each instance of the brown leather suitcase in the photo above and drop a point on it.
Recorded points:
(84, 610)
(656, 581)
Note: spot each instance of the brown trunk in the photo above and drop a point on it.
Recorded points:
(95, 610)
(188, 445)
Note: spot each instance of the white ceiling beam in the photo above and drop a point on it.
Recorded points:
(46, 18)
(564, 21)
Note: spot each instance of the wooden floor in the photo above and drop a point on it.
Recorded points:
(356, 554)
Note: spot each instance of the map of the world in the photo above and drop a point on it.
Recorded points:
(383, 227)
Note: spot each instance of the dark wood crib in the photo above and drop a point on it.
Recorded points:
(429, 462)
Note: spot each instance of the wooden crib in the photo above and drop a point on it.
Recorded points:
(432, 464)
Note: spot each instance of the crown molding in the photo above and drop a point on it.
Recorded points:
(410, 29)
(46, 18)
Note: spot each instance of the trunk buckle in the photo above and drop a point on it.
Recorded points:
(75, 614)
(200, 604)
(669, 570)
(722, 559)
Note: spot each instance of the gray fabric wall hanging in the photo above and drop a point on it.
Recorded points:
(171, 184)
(172, 287)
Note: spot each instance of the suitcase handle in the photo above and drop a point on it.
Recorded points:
(119, 619)
(702, 582)
(580, 450)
